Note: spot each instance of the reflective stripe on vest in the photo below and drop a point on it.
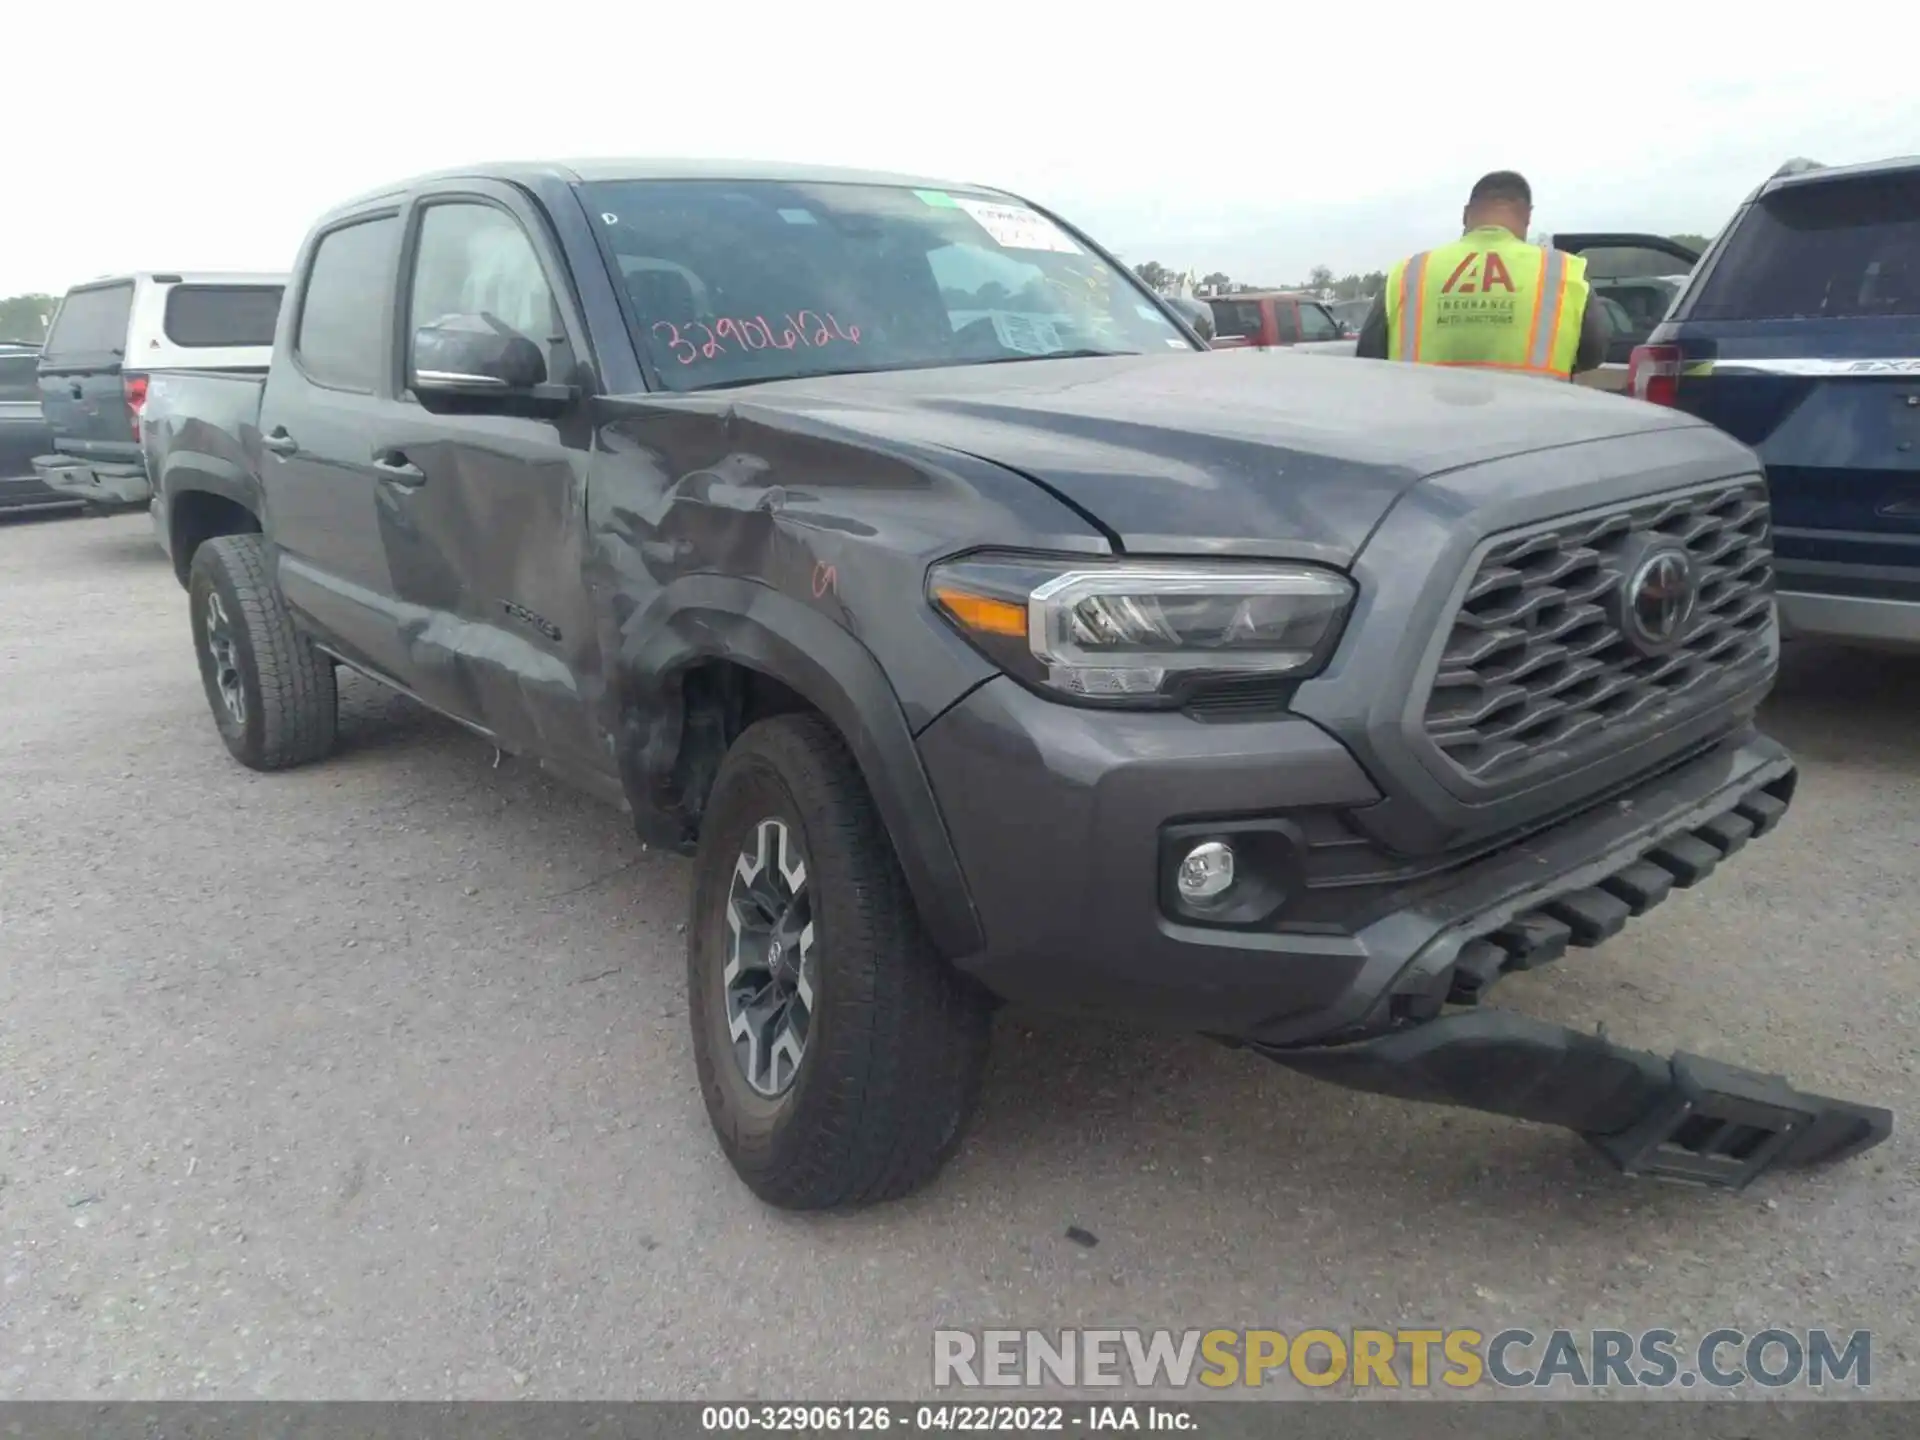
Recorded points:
(1549, 301)
(1488, 301)
(1413, 281)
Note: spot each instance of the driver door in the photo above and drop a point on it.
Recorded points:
(1638, 277)
(485, 528)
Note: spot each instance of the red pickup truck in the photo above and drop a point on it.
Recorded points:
(1264, 319)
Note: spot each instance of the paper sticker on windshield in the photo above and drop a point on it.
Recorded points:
(798, 217)
(938, 198)
(1015, 227)
(1028, 334)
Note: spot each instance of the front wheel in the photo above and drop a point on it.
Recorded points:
(839, 1055)
(272, 694)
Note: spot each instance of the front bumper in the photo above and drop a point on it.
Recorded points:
(1688, 1119)
(99, 482)
(1061, 818)
(1850, 619)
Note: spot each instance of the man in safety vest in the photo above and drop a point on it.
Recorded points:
(1490, 300)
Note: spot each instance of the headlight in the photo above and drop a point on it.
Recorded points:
(1142, 632)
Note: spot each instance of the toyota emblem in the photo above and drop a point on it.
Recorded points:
(1659, 600)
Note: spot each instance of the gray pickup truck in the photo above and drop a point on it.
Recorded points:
(886, 546)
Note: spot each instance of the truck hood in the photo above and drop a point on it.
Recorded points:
(1226, 452)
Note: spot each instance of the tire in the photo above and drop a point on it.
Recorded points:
(287, 704)
(896, 1039)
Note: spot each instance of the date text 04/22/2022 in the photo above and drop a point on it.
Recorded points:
(965, 1418)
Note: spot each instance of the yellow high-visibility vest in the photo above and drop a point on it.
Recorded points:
(1488, 300)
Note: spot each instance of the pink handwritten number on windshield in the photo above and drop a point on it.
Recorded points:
(744, 334)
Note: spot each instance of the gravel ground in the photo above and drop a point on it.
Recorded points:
(372, 1080)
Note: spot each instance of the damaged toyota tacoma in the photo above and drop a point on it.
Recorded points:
(891, 549)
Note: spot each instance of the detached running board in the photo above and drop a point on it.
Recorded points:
(1687, 1119)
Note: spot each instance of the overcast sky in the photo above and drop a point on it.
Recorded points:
(1256, 138)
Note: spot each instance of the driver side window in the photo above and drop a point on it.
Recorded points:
(1316, 324)
(475, 260)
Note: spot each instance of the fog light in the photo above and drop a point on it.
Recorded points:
(1207, 871)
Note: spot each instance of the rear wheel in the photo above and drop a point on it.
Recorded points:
(839, 1055)
(272, 695)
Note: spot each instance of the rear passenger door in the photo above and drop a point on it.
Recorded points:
(328, 507)
(82, 393)
(485, 533)
(1636, 277)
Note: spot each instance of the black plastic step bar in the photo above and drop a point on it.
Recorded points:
(1686, 1119)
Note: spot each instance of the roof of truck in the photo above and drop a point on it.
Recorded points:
(596, 169)
(186, 277)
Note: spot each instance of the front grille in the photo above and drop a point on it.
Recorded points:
(1538, 669)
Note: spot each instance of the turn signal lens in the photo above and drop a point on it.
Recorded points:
(981, 613)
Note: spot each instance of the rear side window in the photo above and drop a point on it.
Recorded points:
(205, 316)
(91, 322)
(343, 329)
(1236, 318)
(1838, 249)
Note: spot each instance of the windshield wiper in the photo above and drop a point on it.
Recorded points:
(943, 364)
(1050, 355)
(821, 374)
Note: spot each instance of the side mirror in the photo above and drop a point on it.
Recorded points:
(474, 355)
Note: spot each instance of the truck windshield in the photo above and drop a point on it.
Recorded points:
(731, 282)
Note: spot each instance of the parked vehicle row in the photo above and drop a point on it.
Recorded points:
(109, 339)
(1799, 334)
(890, 548)
(1275, 318)
(24, 432)
(1621, 268)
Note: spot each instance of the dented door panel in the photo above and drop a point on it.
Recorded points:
(696, 485)
(486, 549)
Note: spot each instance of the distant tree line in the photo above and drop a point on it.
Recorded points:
(25, 317)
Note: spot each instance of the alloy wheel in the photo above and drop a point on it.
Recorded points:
(771, 967)
(226, 659)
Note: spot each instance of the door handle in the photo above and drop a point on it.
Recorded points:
(393, 465)
(279, 441)
(73, 387)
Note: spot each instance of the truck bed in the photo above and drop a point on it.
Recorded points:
(200, 431)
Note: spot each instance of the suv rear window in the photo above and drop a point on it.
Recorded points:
(91, 322)
(203, 316)
(1842, 248)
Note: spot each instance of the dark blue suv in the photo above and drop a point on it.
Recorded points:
(1799, 333)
